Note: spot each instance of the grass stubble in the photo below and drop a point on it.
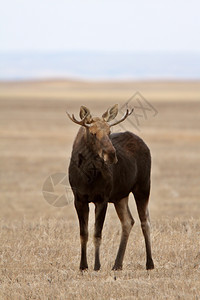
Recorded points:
(39, 243)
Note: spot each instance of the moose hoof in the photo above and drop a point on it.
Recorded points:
(97, 267)
(117, 268)
(84, 268)
(150, 265)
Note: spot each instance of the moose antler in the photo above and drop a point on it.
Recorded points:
(127, 113)
(82, 122)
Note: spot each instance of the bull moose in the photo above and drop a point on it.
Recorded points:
(104, 168)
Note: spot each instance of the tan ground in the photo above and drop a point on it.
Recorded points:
(39, 243)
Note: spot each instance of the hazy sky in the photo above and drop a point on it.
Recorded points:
(59, 25)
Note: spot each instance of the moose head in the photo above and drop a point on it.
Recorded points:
(98, 131)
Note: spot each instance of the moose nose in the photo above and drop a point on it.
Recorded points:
(111, 157)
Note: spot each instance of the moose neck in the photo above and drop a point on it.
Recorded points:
(88, 162)
(81, 145)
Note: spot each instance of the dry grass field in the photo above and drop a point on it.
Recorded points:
(39, 243)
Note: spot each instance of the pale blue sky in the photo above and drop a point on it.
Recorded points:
(60, 25)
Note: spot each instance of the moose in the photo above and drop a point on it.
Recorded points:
(105, 168)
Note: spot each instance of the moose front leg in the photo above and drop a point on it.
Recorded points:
(82, 209)
(100, 212)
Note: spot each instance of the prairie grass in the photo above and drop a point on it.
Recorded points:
(39, 243)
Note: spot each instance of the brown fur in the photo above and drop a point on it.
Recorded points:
(105, 168)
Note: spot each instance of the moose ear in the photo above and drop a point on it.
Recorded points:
(111, 113)
(84, 111)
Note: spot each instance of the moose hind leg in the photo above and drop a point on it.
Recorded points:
(142, 199)
(82, 209)
(100, 212)
(127, 222)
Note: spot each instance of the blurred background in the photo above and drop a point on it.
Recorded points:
(106, 40)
